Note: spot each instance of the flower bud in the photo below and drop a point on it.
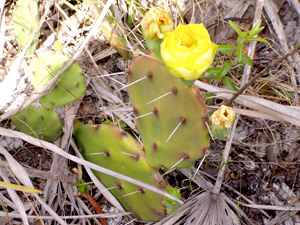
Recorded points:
(156, 23)
(221, 121)
(223, 117)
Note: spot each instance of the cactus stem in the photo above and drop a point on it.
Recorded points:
(96, 153)
(125, 86)
(176, 128)
(138, 191)
(173, 167)
(164, 95)
(147, 114)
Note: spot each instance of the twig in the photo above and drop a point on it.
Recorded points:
(94, 204)
(23, 177)
(251, 49)
(296, 6)
(220, 177)
(47, 175)
(261, 73)
(2, 29)
(108, 215)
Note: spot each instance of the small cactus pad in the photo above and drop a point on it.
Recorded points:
(108, 147)
(26, 18)
(38, 122)
(70, 86)
(171, 117)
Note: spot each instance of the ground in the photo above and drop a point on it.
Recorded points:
(260, 176)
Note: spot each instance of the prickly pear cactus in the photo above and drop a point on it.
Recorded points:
(26, 18)
(172, 128)
(38, 122)
(107, 146)
(70, 86)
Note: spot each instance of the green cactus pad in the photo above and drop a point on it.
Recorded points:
(107, 146)
(70, 86)
(26, 18)
(182, 105)
(38, 122)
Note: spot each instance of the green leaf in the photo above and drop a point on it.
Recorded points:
(235, 27)
(256, 29)
(246, 60)
(252, 34)
(108, 122)
(258, 40)
(226, 49)
(82, 186)
(228, 82)
(240, 52)
(244, 34)
(214, 70)
(226, 67)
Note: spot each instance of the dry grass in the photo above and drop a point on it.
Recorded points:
(259, 182)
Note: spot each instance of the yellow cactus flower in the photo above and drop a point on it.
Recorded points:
(188, 51)
(156, 23)
(223, 117)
